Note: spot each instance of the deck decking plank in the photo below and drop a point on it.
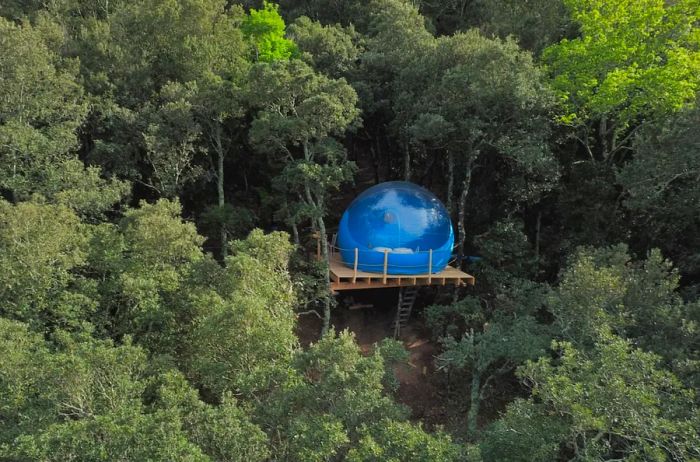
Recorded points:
(342, 277)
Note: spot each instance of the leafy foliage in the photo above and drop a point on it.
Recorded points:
(265, 28)
(401, 441)
(331, 49)
(535, 24)
(42, 249)
(489, 345)
(144, 317)
(641, 412)
(90, 406)
(633, 60)
(244, 326)
(303, 427)
(661, 190)
(603, 291)
(40, 111)
(171, 140)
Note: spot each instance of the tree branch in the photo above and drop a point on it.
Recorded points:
(310, 312)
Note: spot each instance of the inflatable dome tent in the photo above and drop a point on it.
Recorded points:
(403, 221)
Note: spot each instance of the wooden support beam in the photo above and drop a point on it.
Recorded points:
(354, 270)
(430, 266)
(386, 261)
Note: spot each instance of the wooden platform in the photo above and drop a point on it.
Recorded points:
(344, 278)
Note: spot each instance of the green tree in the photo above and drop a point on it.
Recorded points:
(605, 395)
(661, 189)
(319, 108)
(42, 105)
(86, 402)
(220, 107)
(330, 49)
(317, 406)
(43, 250)
(244, 324)
(610, 402)
(223, 432)
(128, 55)
(17, 9)
(345, 12)
(605, 290)
(265, 29)
(496, 114)
(161, 72)
(394, 34)
(524, 432)
(391, 440)
(23, 374)
(171, 140)
(634, 62)
(40, 113)
(143, 264)
(332, 403)
(500, 342)
(534, 23)
(128, 52)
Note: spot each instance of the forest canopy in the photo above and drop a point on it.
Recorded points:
(173, 171)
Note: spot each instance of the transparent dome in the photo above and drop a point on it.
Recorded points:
(399, 218)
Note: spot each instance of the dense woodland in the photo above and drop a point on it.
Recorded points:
(165, 163)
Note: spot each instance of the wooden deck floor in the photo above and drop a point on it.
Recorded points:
(344, 278)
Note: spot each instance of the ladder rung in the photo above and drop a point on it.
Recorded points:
(407, 298)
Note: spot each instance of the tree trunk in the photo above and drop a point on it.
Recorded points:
(603, 134)
(388, 159)
(450, 180)
(475, 402)
(327, 275)
(295, 234)
(462, 209)
(406, 163)
(220, 188)
(537, 239)
(375, 161)
(318, 204)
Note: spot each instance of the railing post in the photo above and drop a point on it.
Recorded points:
(386, 260)
(354, 268)
(430, 266)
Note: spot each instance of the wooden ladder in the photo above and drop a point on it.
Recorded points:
(407, 297)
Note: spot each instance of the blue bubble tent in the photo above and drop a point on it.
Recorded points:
(396, 228)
